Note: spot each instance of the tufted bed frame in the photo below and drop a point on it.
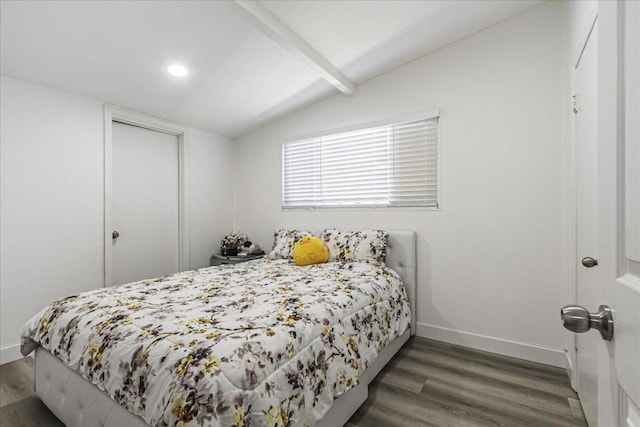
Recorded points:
(77, 402)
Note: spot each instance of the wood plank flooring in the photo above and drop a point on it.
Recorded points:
(19, 406)
(428, 383)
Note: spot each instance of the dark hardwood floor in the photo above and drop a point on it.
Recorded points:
(428, 383)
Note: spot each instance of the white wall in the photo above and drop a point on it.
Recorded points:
(491, 260)
(211, 194)
(51, 228)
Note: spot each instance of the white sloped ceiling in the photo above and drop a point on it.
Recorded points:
(239, 77)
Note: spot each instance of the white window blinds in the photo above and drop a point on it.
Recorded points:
(389, 165)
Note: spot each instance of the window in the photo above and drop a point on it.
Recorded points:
(391, 165)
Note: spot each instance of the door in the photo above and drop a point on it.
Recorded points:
(587, 290)
(144, 203)
(608, 381)
(623, 278)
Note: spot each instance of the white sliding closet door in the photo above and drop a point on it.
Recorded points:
(145, 203)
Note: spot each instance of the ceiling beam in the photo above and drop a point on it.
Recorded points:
(271, 26)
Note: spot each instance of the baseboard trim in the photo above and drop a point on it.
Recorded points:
(10, 353)
(534, 353)
(568, 365)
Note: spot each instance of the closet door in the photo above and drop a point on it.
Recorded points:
(145, 203)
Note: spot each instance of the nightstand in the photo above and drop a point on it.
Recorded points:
(222, 259)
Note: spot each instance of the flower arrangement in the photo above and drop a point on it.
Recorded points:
(238, 244)
(231, 243)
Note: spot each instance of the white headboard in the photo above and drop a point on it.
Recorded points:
(401, 257)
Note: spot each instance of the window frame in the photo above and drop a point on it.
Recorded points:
(381, 122)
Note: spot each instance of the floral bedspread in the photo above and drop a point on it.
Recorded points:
(262, 343)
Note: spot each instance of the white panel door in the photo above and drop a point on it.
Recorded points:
(623, 282)
(145, 203)
(609, 378)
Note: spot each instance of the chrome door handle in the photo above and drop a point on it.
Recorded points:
(578, 319)
(589, 262)
(115, 235)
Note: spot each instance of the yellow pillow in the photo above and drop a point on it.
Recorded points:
(310, 250)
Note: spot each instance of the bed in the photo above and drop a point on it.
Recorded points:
(284, 389)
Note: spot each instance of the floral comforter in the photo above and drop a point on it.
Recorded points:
(262, 343)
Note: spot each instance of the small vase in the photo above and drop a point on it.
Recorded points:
(229, 251)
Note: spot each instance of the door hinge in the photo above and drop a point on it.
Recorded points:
(574, 104)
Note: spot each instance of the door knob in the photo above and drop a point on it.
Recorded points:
(589, 262)
(115, 235)
(578, 319)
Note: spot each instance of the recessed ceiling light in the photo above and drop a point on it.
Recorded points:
(177, 70)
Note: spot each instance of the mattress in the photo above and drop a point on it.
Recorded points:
(260, 343)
